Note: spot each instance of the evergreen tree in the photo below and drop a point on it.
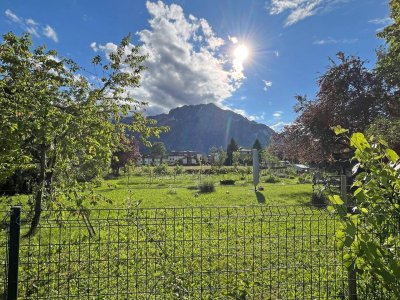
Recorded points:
(232, 147)
(257, 145)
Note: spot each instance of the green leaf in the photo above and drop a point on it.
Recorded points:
(339, 130)
(392, 155)
(359, 141)
(336, 200)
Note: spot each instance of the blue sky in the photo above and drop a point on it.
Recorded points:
(191, 45)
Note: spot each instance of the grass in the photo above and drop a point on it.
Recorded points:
(154, 192)
(234, 243)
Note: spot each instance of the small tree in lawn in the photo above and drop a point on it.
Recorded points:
(236, 158)
(158, 149)
(127, 153)
(219, 156)
(53, 120)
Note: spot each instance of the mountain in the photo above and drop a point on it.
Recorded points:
(199, 127)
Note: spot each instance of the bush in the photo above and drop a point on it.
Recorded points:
(304, 179)
(227, 182)
(319, 200)
(207, 187)
(370, 238)
(178, 170)
(171, 191)
(147, 170)
(272, 179)
(283, 175)
(161, 169)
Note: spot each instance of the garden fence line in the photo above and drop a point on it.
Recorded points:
(256, 252)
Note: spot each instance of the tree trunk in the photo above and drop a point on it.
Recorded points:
(40, 193)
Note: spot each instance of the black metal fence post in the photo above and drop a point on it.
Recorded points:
(13, 253)
(352, 281)
(351, 274)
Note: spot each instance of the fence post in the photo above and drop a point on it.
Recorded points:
(352, 282)
(13, 253)
(343, 189)
(351, 274)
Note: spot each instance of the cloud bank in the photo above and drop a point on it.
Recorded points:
(187, 63)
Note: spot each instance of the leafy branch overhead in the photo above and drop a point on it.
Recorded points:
(55, 121)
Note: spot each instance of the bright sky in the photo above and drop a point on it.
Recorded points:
(250, 56)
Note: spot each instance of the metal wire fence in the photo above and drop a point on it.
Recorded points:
(255, 252)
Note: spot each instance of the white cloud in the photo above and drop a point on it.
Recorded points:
(13, 17)
(299, 9)
(50, 33)
(330, 40)
(31, 26)
(267, 84)
(94, 46)
(381, 21)
(279, 126)
(246, 115)
(186, 62)
(277, 114)
(233, 39)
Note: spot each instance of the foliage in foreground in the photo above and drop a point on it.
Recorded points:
(57, 124)
(371, 235)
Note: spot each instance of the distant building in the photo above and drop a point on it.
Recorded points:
(186, 158)
(147, 160)
(300, 168)
(245, 152)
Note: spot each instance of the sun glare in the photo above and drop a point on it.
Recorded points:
(241, 53)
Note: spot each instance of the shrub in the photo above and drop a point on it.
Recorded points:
(304, 179)
(207, 187)
(272, 179)
(370, 238)
(171, 191)
(319, 199)
(147, 170)
(227, 182)
(282, 175)
(161, 169)
(178, 170)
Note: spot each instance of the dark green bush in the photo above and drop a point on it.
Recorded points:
(319, 200)
(207, 187)
(227, 182)
(272, 179)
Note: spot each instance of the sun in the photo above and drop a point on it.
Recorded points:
(241, 53)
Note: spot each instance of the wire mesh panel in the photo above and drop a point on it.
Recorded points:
(181, 253)
(4, 221)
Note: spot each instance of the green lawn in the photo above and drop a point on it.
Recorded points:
(180, 191)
